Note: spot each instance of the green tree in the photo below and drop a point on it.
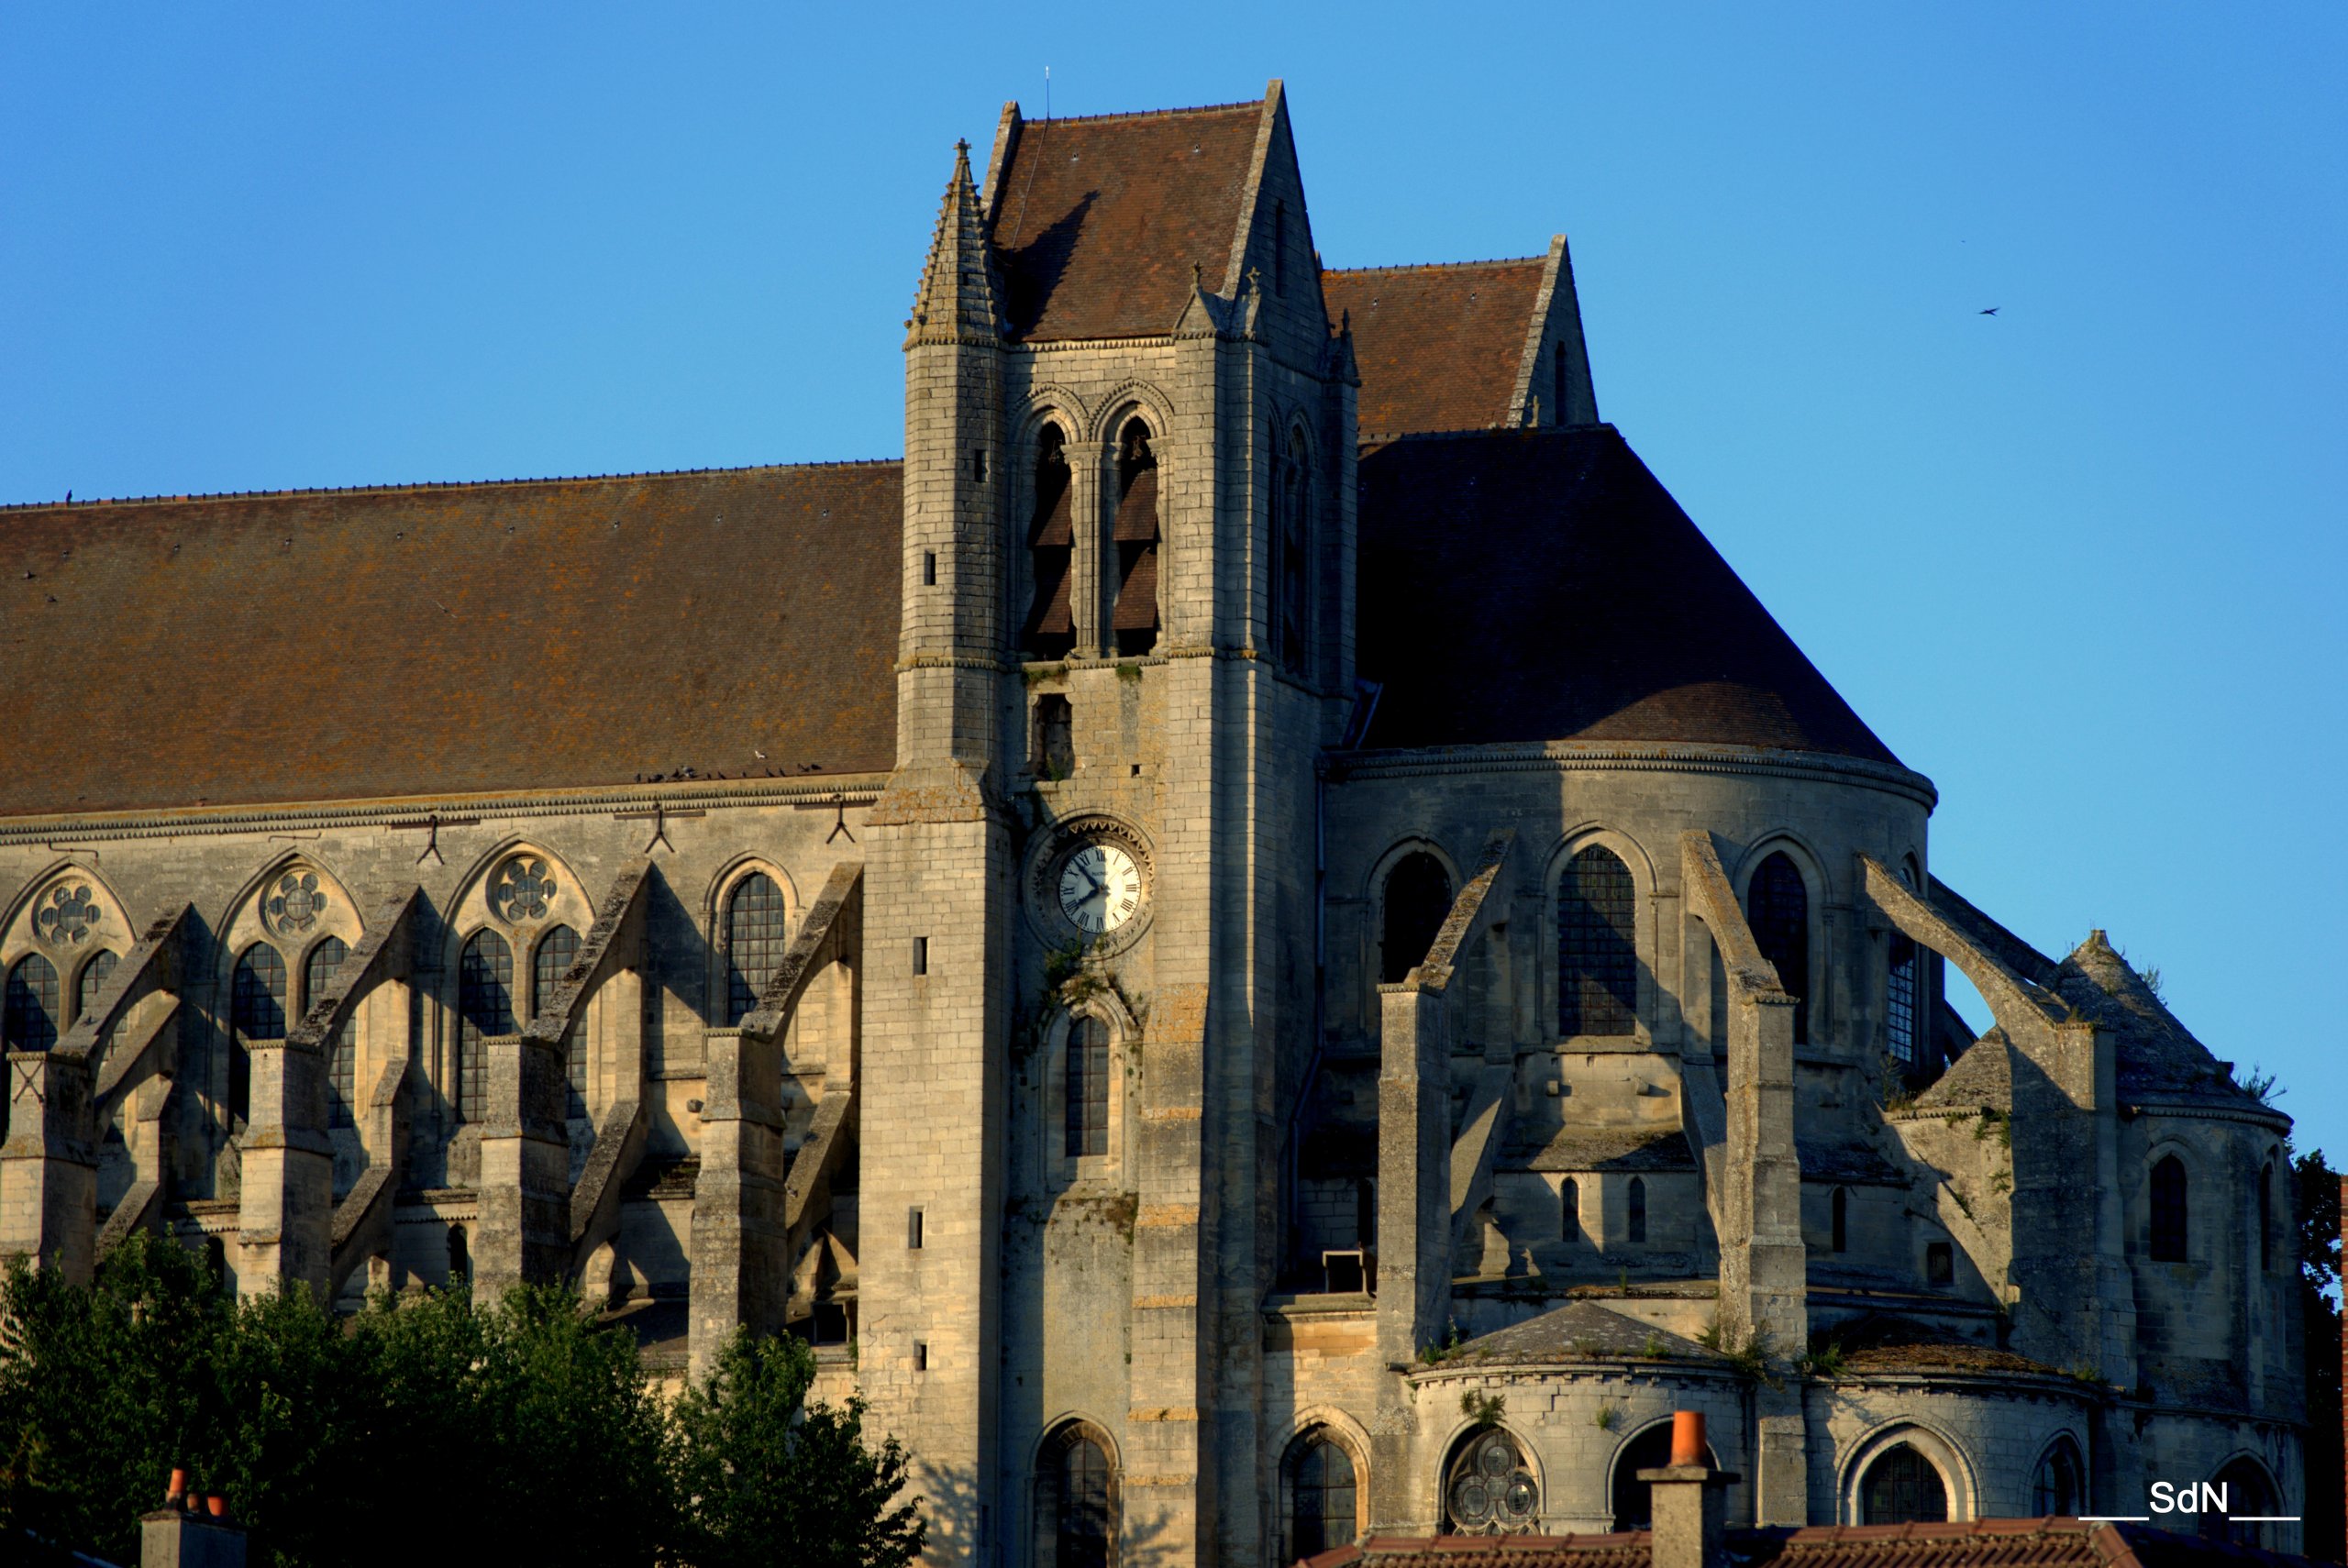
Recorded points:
(764, 1477)
(2324, 1535)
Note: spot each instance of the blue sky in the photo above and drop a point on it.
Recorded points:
(2080, 561)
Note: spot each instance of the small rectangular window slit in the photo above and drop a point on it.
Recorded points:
(921, 1357)
(921, 955)
(912, 1229)
(929, 568)
(978, 465)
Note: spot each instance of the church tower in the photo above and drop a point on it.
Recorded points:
(1126, 635)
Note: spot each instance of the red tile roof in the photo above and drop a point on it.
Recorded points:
(1973, 1543)
(1540, 585)
(316, 645)
(1097, 221)
(1439, 347)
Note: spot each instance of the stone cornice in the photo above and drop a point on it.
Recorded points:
(1572, 757)
(855, 788)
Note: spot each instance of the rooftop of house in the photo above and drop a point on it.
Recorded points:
(1975, 1544)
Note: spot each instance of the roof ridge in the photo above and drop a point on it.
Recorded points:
(423, 486)
(1143, 114)
(1439, 266)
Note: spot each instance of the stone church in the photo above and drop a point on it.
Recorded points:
(1258, 940)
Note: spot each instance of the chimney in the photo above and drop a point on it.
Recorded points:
(190, 1531)
(1690, 1501)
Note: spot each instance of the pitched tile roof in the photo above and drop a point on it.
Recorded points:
(1973, 1543)
(316, 645)
(1097, 221)
(1437, 347)
(1578, 1332)
(1623, 1149)
(2153, 1053)
(1540, 585)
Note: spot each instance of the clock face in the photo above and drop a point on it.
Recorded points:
(1099, 888)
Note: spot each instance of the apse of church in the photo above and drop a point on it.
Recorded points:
(1258, 940)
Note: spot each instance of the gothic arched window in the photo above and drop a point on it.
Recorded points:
(1899, 1003)
(1634, 1498)
(1598, 960)
(30, 1021)
(1075, 1502)
(2168, 1211)
(1135, 535)
(1322, 1488)
(2248, 1495)
(1489, 1488)
(257, 994)
(1635, 1201)
(757, 932)
(1418, 897)
(2057, 1487)
(1050, 630)
(93, 980)
(555, 951)
(484, 1012)
(1569, 1210)
(1902, 1487)
(1086, 1118)
(342, 1067)
(1778, 907)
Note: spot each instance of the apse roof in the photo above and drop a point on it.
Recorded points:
(336, 644)
(1437, 347)
(1098, 221)
(1540, 585)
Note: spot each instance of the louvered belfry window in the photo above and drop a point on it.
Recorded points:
(1778, 906)
(1598, 959)
(1135, 535)
(1051, 628)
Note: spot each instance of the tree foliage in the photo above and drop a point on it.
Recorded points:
(521, 1432)
(2316, 1185)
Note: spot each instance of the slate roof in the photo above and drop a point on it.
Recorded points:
(1983, 1077)
(1439, 347)
(1578, 1331)
(1097, 221)
(1974, 1544)
(2153, 1053)
(1623, 1149)
(336, 645)
(1540, 585)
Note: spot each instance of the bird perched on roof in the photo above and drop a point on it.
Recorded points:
(1992, 311)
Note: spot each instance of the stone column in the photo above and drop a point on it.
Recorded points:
(285, 1220)
(1413, 1222)
(739, 1276)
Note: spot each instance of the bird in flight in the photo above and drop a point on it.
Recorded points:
(1992, 311)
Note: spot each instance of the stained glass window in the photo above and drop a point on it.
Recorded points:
(342, 1067)
(94, 978)
(1489, 1489)
(1778, 906)
(1073, 1504)
(257, 994)
(484, 1012)
(2168, 1211)
(30, 1021)
(1899, 1001)
(1321, 1498)
(1902, 1487)
(1598, 959)
(2055, 1489)
(1087, 1119)
(558, 950)
(757, 932)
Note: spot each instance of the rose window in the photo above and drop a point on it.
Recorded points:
(524, 890)
(67, 916)
(1490, 1490)
(294, 907)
